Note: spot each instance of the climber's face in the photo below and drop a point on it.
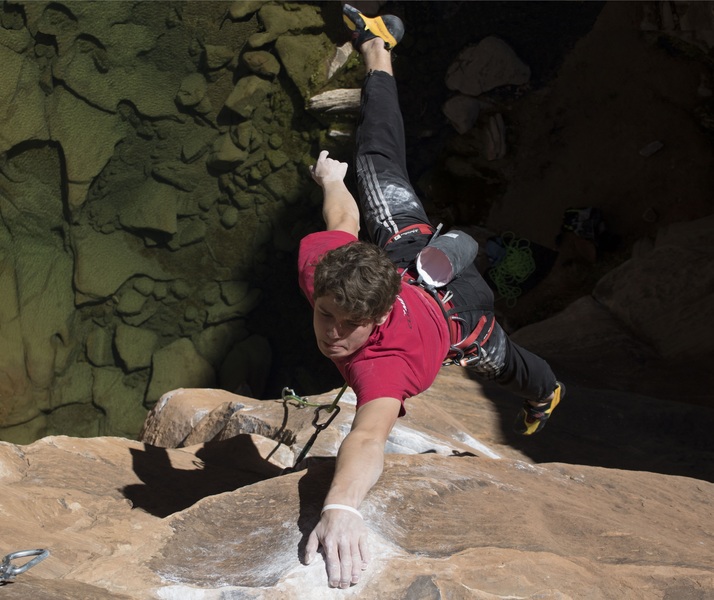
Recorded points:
(337, 333)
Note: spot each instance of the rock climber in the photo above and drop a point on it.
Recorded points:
(387, 331)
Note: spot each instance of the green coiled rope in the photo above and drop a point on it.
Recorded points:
(514, 268)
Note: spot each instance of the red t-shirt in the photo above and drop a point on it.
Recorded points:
(402, 356)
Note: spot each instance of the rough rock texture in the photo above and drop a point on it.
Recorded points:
(129, 250)
(153, 185)
(134, 193)
(625, 69)
(490, 64)
(668, 315)
(645, 327)
(125, 519)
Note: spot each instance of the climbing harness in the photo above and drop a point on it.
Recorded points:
(440, 262)
(466, 351)
(9, 571)
(332, 411)
(514, 268)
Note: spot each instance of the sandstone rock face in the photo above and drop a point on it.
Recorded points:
(153, 188)
(215, 518)
(670, 290)
(490, 64)
(643, 324)
(145, 192)
(462, 111)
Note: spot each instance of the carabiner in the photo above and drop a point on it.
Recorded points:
(9, 571)
(320, 426)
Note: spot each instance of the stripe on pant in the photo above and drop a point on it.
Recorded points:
(375, 200)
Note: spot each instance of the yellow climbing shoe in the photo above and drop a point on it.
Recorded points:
(531, 419)
(387, 27)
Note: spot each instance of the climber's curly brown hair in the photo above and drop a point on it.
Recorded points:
(361, 279)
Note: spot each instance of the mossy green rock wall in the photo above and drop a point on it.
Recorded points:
(146, 173)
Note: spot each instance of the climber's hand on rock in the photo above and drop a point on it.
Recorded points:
(343, 538)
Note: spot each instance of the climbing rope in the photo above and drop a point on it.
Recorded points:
(513, 269)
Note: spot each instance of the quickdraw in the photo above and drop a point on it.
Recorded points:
(8, 571)
(289, 395)
(331, 409)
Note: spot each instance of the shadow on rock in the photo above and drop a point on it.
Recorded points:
(617, 430)
(176, 479)
(312, 489)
